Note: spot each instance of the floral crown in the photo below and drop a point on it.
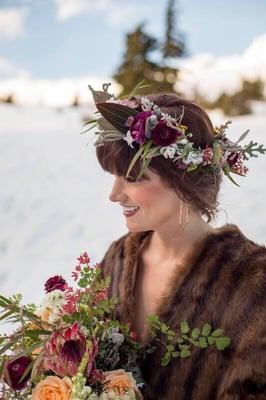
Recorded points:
(154, 133)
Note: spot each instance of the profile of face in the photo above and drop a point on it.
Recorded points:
(148, 204)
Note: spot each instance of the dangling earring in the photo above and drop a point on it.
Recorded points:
(183, 224)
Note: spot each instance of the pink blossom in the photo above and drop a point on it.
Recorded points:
(84, 258)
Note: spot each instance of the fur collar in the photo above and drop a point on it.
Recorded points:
(134, 243)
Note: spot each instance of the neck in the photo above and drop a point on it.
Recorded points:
(171, 241)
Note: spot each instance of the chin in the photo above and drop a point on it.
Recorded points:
(135, 228)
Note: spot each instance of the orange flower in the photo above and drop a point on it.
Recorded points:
(119, 382)
(54, 388)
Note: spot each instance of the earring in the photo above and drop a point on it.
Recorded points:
(183, 224)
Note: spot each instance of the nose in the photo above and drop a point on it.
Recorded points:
(117, 190)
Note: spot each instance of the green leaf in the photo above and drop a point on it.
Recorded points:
(175, 354)
(170, 347)
(206, 330)
(145, 164)
(2, 365)
(27, 371)
(137, 87)
(165, 359)
(83, 283)
(6, 315)
(203, 342)
(210, 340)
(31, 348)
(134, 159)
(37, 332)
(164, 328)
(222, 342)
(217, 333)
(195, 333)
(185, 353)
(184, 327)
(10, 343)
(226, 170)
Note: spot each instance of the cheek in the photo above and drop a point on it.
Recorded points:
(152, 196)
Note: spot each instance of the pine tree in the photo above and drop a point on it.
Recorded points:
(137, 66)
(174, 45)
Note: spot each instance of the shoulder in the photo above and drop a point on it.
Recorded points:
(237, 247)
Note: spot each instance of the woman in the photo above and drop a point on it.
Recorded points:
(172, 262)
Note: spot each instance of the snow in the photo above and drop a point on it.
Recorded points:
(54, 196)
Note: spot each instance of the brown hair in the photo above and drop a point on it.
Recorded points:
(200, 187)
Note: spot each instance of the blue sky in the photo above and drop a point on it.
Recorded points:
(91, 42)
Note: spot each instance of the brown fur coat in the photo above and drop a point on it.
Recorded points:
(223, 284)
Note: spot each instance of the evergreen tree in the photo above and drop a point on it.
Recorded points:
(174, 45)
(137, 66)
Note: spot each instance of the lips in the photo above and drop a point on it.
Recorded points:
(128, 211)
(130, 208)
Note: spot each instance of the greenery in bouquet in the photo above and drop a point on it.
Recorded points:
(70, 347)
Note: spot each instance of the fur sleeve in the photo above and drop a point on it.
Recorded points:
(246, 377)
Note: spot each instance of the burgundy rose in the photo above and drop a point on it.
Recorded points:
(232, 158)
(55, 283)
(163, 135)
(137, 126)
(14, 371)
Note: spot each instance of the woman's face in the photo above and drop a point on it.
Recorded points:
(147, 204)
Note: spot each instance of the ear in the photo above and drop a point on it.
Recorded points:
(116, 114)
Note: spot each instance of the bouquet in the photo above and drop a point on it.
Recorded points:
(71, 348)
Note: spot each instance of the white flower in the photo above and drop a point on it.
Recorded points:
(117, 338)
(52, 302)
(54, 299)
(183, 141)
(170, 151)
(129, 139)
(193, 158)
(146, 104)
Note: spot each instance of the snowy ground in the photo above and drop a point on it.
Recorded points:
(54, 197)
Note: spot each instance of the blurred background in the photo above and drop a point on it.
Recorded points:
(53, 194)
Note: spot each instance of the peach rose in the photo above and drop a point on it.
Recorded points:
(53, 388)
(45, 314)
(119, 382)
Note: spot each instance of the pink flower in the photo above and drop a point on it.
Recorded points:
(71, 299)
(55, 283)
(137, 126)
(232, 158)
(163, 135)
(207, 155)
(14, 371)
(65, 350)
(84, 258)
(133, 336)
